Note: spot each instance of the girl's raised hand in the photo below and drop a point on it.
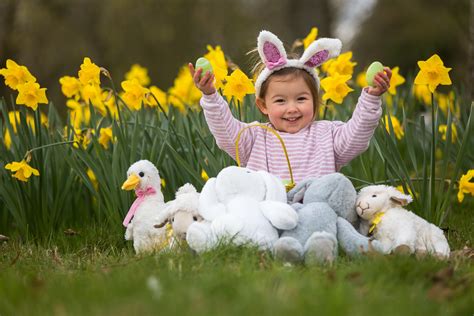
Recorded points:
(206, 83)
(381, 81)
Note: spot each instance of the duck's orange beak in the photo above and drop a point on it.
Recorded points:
(131, 183)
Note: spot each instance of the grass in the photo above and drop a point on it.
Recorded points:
(98, 274)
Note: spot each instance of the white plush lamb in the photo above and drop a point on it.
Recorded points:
(143, 177)
(394, 227)
(242, 206)
(181, 212)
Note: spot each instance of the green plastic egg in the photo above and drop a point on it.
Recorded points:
(373, 69)
(204, 64)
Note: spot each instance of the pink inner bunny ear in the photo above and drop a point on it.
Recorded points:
(318, 58)
(273, 57)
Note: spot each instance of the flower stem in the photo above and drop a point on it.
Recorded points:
(28, 153)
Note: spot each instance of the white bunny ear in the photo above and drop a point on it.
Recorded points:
(320, 51)
(271, 50)
(275, 190)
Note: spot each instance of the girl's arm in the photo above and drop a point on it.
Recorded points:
(222, 124)
(352, 138)
(225, 127)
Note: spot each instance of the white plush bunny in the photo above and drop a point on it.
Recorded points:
(241, 206)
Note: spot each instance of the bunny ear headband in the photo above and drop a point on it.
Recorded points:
(273, 55)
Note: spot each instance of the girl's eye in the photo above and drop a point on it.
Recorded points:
(280, 101)
(302, 99)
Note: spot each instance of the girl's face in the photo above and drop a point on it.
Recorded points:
(288, 102)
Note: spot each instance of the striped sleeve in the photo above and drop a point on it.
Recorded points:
(225, 127)
(352, 138)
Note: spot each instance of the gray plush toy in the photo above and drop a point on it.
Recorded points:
(319, 202)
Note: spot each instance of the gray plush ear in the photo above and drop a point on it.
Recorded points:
(400, 201)
(296, 194)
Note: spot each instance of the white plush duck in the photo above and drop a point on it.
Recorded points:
(144, 178)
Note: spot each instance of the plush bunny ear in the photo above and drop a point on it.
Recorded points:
(275, 190)
(320, 51)
(271, 50)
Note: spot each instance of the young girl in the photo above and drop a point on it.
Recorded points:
(287, 91)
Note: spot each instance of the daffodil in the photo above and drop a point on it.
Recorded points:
(238, 86)
(30, 94)
(140, 73)
(92, 94)
(336, 87)
(204, 175)
(163, 183)
(183, 92)
(433, 73)
(400, 188)
(82, 137)
(70, 87)
(342, 65)
(422, 93)
(16, 75)
(134, 94)
(448, 100)
(105, 136)
(89, 73)
(466, 185)
(397, 127)
(311, 37)
(80, 113)
(443, 128)
(7, 139)
(219, 65)
(395, 81)
(93, 179)
(156, 94)
(361, 80)
(22, 171)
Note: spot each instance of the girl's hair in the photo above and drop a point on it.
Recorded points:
(288, 71)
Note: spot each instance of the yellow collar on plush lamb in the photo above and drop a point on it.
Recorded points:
(375, 221)
(273, 55)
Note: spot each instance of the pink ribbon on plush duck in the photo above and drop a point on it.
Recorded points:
(141, 195)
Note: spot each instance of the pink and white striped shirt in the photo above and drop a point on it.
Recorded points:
(321, 148)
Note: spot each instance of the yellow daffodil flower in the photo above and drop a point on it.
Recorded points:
(109, 102)
(219, 65)
(361, 79)
(105, 136)
(22, 171)
(397, 127)
(92, 94)
(16, 75)
(432, 73)
(184, 92)
(422, 93)
(30, 94)
(395, 81)
(140, 73)
(466, 185)
(204, 175)
(7, 139)
(80, 113)
(238, 86)
(163, 183)
(443, 128)
(400, 188)
(82, 137)
(342, 65)
(335, 87)
(70, 87)
(445, 100)
(89, 73)
(134, 94)
(311, 37)
(93, 178)
(160, 95)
